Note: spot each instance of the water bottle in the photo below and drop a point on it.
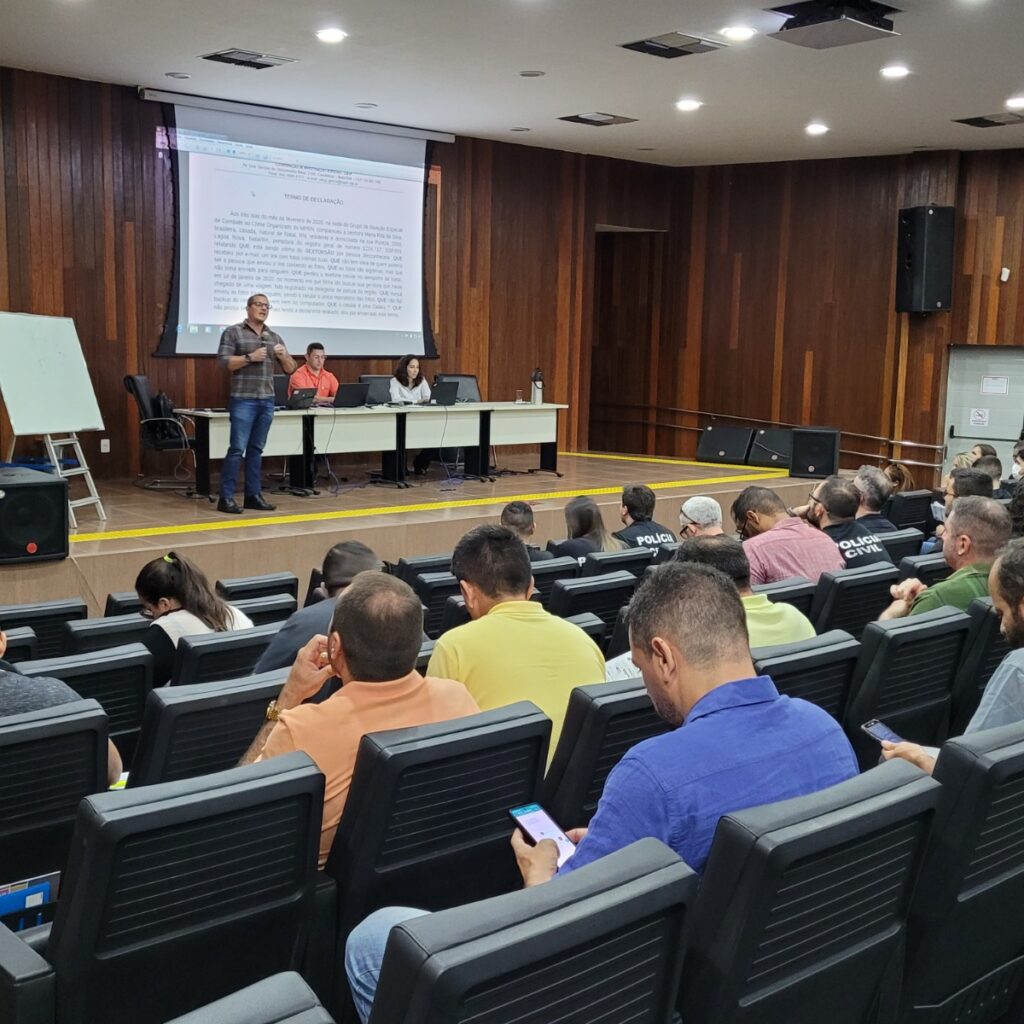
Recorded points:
(537, 387)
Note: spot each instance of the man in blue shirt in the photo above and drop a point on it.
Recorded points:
(737, 744)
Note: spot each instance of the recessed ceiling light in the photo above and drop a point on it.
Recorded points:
(895, 71)
(1015, 103)
(816, 128)
(177, 74)
(520, 129)
(531, 74)
(686, 105)
(331, 35)
(366, 106)
(738, 33)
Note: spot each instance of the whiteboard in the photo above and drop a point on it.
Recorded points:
(43, 376)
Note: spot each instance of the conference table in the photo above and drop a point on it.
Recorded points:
(301, 434)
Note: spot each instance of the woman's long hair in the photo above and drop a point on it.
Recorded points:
(402, 373)
(175, 576)
(583, 520)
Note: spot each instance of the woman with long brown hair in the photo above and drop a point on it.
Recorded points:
(586, 530)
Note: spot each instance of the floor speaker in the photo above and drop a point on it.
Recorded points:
(724, 444)
(815, 452)
(33, 516)
(924, 259)
(773, 447)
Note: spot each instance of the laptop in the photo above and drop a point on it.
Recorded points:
(378, 391)
(302, 398)
(280, 391)
(351, 396)
(445, 392)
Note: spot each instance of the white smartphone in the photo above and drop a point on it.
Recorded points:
(880, 731)
(537, 824)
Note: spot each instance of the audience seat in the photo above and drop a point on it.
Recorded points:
(47, 618)
(146, 929)
(241, 587)
(195, 730)
(794, 590)
(930, 569)
(120, 678)
(819, 670)
(591, 625)
(600, 563)
(851, 598)
(281, 999)
(267, 608)
(49, 761)
(423, 658)
(900, 544)
(123, 602)
(454, 614)
(408, 568)
(618, 641)
(316, 577)
(602, 722)
(910, 509)
(905, 678)
(802, 908)
(986, 648)
(666, 552)
(604, 943)
(965, 935)
(213, 656)
(545, 574)
(81, 635)
(601, 595)
(433, 589)
(22, 644)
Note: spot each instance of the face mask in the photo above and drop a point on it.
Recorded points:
(1015, 472)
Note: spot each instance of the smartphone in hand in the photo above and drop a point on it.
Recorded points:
(880, 731)
(536, 824)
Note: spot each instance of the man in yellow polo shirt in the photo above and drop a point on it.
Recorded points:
(513, 649)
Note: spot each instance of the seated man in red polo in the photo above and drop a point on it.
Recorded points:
(313, 375)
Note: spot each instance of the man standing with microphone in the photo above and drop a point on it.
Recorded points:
(249, 350)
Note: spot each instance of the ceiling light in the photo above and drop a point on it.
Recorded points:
(816, 128)
(1015, 103)
(895, 71)
(177, 74)
(331, 35)
(519, 129)
(738, 33)
(366, 106)
(686, 105)
(531, 74)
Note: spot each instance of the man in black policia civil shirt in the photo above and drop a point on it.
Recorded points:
(833, 509)
(250, 350)
(641, 531)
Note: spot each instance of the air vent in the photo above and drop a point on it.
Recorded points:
(673, 44)
(1004, 117)
(596, 119)
(248, 59)
(823, 24)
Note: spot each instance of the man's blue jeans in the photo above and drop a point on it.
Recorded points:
(364, 953)
(250, 424)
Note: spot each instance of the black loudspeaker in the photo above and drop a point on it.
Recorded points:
(33, 516)
(724, 444)
(924, 259)
(815, 452)
(773, 447)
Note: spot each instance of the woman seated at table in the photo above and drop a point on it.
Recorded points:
(586, 529)
(177, 596)
(409, 385)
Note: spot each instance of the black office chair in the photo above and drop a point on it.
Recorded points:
(602, 722)
(930, 569)
(379, 390)
(965, 934)
(851, 598)
(985, 650)
(313, 596)
(905, 677)
(81, 635)
(601, 595)
(819, 670)
(409, 568)
(196, 730)
(618, 640)
(49, 761)
(910, 509)
(900, 544)
(122, 603)
(604, 943)
(269, 583)
(453, 614)
(794, 590)
(666, 552)
(22, 644)
(267, 609)
(469, 387)
(281, 999)
(159, 432)
(120, 678)
(802, 908)
(214, 656)
(434, 589)
(546, 573)
(423, 658)
(47, 618)
(600, 563)
(213, 875)
(590, 624)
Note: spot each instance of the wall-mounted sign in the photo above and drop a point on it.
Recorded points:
(995, 385)
(979, 417)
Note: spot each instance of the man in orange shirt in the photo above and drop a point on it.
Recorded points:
(313, 374)
(381, 688)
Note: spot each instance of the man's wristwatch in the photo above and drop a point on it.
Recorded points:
(273, 711)
(247, 356)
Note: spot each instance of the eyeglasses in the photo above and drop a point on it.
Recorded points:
(815, 499)
(261, 305)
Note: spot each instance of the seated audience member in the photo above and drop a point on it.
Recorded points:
(777, 544)
(980, 451)
(961, 483)
(341, 566)
(1003, 700)
(875, 490)
(991, 465)
(517, 516)
(177, 596)
(637, 513)
(741, 745)
(700, 516)
(512, 649)
(900, 477)
(586, 531)
(1016, 510)
(21, 694)
(313, 375)
(833, 509)
(976, 531)
(381, 688)
(1017, 469)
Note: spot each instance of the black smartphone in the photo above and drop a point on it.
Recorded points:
(880, 731)
(537, 824)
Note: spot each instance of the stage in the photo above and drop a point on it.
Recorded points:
(427, 518)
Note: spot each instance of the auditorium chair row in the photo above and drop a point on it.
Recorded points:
(893, 896)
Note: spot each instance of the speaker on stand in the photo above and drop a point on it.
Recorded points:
(33, 516)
